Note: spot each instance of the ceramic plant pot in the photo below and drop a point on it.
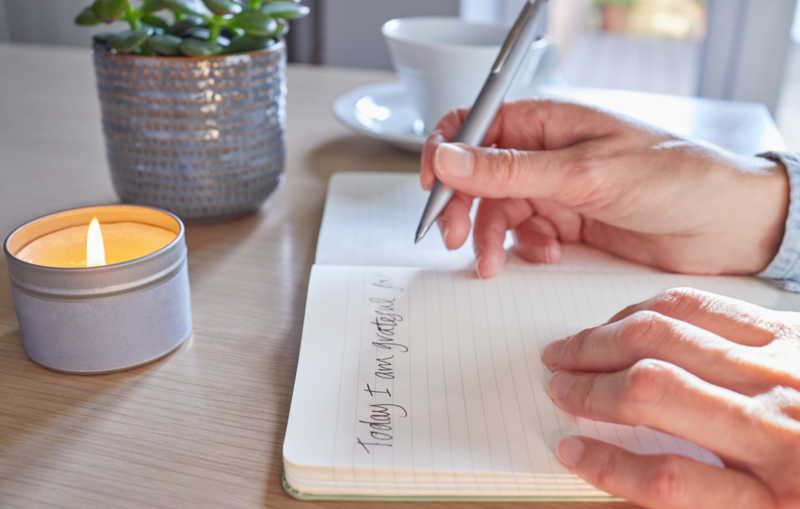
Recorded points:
(200, 137)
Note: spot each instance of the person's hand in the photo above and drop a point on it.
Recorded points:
(719, 372)
(563, 172)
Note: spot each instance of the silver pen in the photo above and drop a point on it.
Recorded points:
(483, 112)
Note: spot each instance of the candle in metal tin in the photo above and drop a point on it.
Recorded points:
(84, 310)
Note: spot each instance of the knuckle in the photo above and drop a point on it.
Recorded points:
(608, 471)
(594, 170)
(576, 349)
(778, 396)
(667, 482)
(584, 163)
(677, 302)
(645, 384)
(508, 166)
(587, 395)
(584, 166)
(780, 324)
(779, 411)
(641, 332)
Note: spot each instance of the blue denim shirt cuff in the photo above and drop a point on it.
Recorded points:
(784, 270)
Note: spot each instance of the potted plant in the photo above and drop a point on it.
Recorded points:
(193, 99)
(615, 13)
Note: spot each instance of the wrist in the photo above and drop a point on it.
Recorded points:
(752, 199)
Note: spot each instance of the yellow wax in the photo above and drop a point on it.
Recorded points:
(123, 241)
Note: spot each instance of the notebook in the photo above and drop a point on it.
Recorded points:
(417, 380)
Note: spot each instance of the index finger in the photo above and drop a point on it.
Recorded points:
(444, 132)
(649, 335)
(530, 125)
(735, 320)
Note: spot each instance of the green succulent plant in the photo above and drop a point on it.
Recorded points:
(200, 28)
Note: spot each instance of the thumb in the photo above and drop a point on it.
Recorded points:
(508, 173)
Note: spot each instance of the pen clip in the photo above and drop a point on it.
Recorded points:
(511, 38)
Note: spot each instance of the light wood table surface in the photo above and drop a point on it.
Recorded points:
(203, 427)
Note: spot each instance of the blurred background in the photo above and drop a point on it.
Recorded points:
(744, 50)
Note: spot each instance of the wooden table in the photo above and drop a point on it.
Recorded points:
(203, 427)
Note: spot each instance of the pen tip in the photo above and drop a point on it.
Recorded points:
(420, 233)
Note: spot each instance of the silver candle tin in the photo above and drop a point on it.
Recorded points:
(93, 320)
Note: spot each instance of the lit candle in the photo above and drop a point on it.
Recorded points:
(122, 241)
(100, 289)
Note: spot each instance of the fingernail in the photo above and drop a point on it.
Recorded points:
(453, 160)
(552, 353)
(541, 254)
(560, 383)
(569, 450)
(444, 229)
(550, 254)
(478, 257)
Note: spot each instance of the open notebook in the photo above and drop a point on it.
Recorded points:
(418, 380)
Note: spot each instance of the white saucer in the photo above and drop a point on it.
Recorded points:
(382, 111)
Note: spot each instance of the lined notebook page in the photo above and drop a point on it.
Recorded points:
(370, 219)
(435, 376)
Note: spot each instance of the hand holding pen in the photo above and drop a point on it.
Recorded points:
(480, 118)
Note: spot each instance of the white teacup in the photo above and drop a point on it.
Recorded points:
(443, 62)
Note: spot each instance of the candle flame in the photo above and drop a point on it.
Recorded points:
(95, 253)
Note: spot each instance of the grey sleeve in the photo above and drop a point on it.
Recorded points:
(784, 270)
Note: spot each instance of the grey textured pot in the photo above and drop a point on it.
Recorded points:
(200, 137)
